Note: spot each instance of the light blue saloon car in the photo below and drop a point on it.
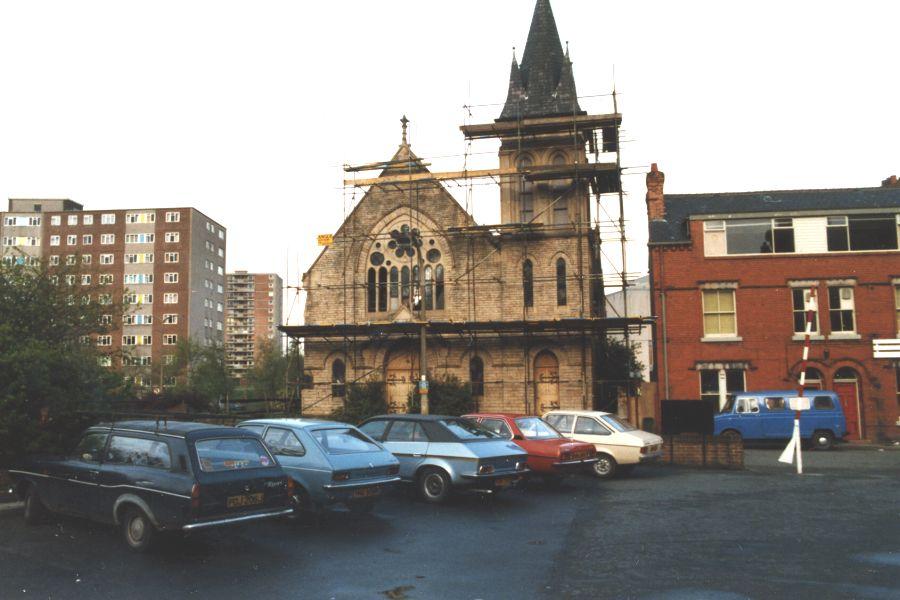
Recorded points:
(331, 463)
(439, 453)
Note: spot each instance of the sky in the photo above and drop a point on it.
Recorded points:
(248, 110)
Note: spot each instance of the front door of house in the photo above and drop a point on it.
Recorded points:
(400, 379)
(848, 391)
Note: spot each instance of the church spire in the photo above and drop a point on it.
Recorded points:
(543, 85)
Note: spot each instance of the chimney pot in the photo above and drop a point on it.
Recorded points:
(890, 182)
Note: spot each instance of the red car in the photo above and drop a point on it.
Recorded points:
(549, 453)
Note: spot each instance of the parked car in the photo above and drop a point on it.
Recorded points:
(768, 416)
(620, 446)
(439, 453)
(330, 463)
(148, 477)
(550, 454)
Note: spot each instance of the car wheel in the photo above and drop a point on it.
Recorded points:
(434, 485)
(137, 529)
(361, 507)
(822, 440)
(35, 511)
(605, 467)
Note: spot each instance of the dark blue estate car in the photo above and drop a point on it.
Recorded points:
(147, 476)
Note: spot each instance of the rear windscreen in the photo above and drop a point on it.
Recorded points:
(343, 441)
(232, 454)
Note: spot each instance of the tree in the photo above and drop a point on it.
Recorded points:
(50, 365)
(202, 379)
(617, 368)
(270, 368)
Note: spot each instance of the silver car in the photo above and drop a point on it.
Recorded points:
(331, 463)
(439, 453)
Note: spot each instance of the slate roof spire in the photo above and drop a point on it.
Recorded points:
(543, 85)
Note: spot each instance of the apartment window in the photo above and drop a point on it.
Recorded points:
(87, 239)
(137, 319)
(88, 219)
(104, 340)
(219, 306)
(220, 289)
(86, 259)
(218, 325)
(132, 298)
(719, 315)
(169, 359)
(71, 240)
(105, 279)
(54, 240)
(55, 220)
(85, 280)
(841, 309)
(130, 259)
(170, 339)
(129, 340)
(171, 257)
(70, 280)
(221, 236)
(170, 298)
(72, 220)
(138, 278)
(170, 278)
(140, 238)
(528, 283)
(172, 237)
(142, 217)
(759, 236)
(107, 259)
(862, 232)
(108, 219)
(107, 238)
(170, 319)
(54, 260)
(561, 282)
(104, 299)
(106, 319)
(220, 271)
(799, 299)
(71, 259)
(104, 361)
(173, 217)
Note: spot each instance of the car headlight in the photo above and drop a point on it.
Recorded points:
(520, 466)
(485, 469)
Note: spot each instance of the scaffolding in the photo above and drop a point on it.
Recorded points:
(592, 137)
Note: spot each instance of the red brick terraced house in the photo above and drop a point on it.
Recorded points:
(730, 273)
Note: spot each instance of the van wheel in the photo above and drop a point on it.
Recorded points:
(137, 529)
(605, 467)
(433, 485)
(822, 440)
(35, 511)
(731, 436)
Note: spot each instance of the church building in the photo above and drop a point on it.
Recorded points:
(515, 308)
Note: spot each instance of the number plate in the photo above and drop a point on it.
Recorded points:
(366, 492)
(245, 500)
(504, 482)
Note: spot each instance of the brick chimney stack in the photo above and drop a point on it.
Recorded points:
(656, 207)
(891, 181)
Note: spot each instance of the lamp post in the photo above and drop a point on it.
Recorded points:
(408, 242)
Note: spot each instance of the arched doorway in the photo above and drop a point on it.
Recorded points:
(546, 381)
(846, 386)
(401, 374)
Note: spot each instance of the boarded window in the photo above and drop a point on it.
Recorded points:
(561, 282)
(528, 283)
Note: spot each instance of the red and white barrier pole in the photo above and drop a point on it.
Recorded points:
(794, 445)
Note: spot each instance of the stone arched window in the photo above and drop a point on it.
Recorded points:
(476, 375)
(528, 283)
(404, 286)
(338, 378)
(394, 301)
(429, 288)
(439, 287)
(371, 291)
(561, 296)
(382, 289)
(561, 196)
(526, 191)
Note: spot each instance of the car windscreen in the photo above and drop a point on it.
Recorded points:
(535, 429)
(468, 430)
(617, 424)
(232, 454)
(344, 441)
(729, 405)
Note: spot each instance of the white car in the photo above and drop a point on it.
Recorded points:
(620, 446)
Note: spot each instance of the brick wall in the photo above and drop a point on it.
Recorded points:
(695, 450)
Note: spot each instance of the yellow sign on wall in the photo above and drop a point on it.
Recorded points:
(325, 239)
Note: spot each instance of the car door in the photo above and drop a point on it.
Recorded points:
(589, 429)
(749, 421)
(291, 454)
(407, 441)
(79, 476)
(497, 426)
(776, 419)
(140, 465)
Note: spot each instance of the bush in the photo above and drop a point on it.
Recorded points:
(363, 400)
(446, 396)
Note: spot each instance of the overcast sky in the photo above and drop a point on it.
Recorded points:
(247, 110)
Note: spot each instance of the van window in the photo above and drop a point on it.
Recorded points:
(748, 405)
(823, 403)
(775, 404)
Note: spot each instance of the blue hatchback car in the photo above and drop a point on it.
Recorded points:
(768, 416)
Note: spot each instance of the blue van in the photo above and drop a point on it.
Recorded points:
(768, 416)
